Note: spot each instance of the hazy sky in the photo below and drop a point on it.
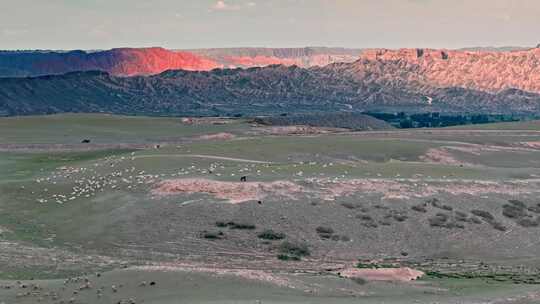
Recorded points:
(99, 24)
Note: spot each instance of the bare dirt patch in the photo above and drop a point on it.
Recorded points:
(330, 189)
(297, 130)
(234, 192)
(440, 156)
(403, 274)
(530, 144)
(249, 274)
(218, 136)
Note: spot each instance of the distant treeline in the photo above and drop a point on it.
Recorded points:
(438, 120)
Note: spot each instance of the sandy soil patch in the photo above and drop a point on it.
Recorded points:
(408, 188)
(331, 189)
(249, 274)
(206, 121)
(403, 274)
(234, 192)
(530, 144)
(218, 136)
(297, 130)
(440, 156)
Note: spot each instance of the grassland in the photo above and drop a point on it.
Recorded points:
(70, 209)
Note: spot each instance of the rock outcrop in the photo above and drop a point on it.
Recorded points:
(484, 71)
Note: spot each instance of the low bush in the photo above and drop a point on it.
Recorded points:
(483, 214)
(364, 217)
(529, 222)
(438, 220)
(518, 204)
(284, 257)
(212, 235)
(498, 226)
(350, 205)
(325, 232)
(235, 225)
(419, 208)
(400, 217)
(271, 235)
(514, 211)
(359, 281)
(294, 249)
(535, 209)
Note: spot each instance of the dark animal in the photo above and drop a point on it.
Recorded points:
(85, 141)
(243, 179)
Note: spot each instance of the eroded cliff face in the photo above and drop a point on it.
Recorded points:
(120, 62)
(485, 71)
(149, 61)
(259, 57)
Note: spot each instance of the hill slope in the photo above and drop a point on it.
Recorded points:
(363, 85)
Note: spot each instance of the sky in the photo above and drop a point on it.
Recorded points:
(184, 24)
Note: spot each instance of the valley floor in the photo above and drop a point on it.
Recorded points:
(219, 210)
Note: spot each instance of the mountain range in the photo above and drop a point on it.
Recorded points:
(416, 80)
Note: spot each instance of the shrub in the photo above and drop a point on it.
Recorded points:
(498, 226)
(514, 211)
(400, 217)
(345, 238)
(350, 205)
(535, 209)
(212, 235)
(438, 220)
(475, 220)
(518, 204)
(359, 281)
(242, 226)
(285, 257)
(325, 232)
(294, 249)
(271, 235)
(370, 224)
(385, 222)
(483, 214)
(527, 222)
(447, 208)
(461, 216)
(234, 225)
(419, 208)
(364, 217)
(221, 224)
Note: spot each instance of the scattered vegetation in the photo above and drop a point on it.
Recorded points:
(519, 212)
(212, 235)
(325, 232)
(483, 214)
(444, 221)
(419, 208)
(433, 120)
(350, 205)
(359, 281)
(353, 121)
(235, 225)
(369, 265)
(490, 219)
(290, 251)
(271, 235)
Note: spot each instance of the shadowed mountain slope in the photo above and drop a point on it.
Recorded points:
(359, 86)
